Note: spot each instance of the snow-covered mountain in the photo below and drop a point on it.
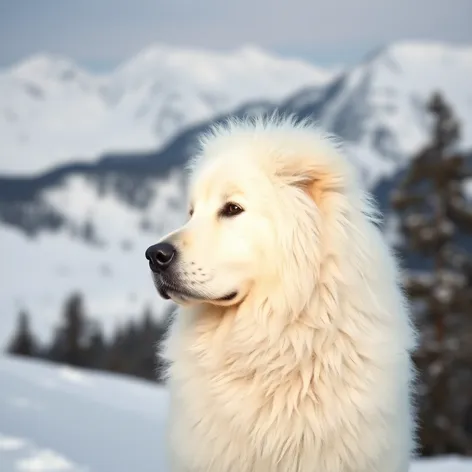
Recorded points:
(59, 418)
(378, 106)
(85, 226)
(51, 110)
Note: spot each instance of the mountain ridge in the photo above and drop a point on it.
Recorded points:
(54, 110)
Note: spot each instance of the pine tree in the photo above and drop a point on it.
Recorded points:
(23, 342)
(151, 335)
(115, 359)
(436, 227)
(97, 347)
(134, 346)
(73, 336)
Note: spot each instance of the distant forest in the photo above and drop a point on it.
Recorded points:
(79, 341)
(434, 216)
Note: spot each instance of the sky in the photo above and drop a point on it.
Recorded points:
(99, 34)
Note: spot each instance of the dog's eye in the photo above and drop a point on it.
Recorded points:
(190, 212)
(231, 209)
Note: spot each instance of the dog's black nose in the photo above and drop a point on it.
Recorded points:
(160, 255)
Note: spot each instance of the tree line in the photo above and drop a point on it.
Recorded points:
(79, 341)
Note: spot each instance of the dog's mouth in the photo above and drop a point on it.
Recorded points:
(171, 290)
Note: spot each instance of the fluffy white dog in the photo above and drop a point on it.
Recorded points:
(291, 350)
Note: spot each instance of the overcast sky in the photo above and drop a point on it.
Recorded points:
(101, 33)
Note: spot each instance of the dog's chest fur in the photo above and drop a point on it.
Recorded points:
(243, 402)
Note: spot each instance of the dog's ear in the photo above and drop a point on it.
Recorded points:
(317, 177)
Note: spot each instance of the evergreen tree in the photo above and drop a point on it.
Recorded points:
(97, 347)
(134, 348)
(79, 341)
(72, 338)
(23, 342)
(436, 227)
(115, 360)
(151, 335)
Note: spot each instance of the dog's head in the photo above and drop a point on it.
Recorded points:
(260, 194)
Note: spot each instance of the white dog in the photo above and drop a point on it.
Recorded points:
(291, 352)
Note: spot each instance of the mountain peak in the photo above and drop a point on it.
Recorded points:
(417, 51)
(254, 52)
(44, 65)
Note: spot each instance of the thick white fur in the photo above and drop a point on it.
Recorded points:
(309, 369)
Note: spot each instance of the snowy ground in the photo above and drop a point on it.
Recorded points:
(55, 418)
